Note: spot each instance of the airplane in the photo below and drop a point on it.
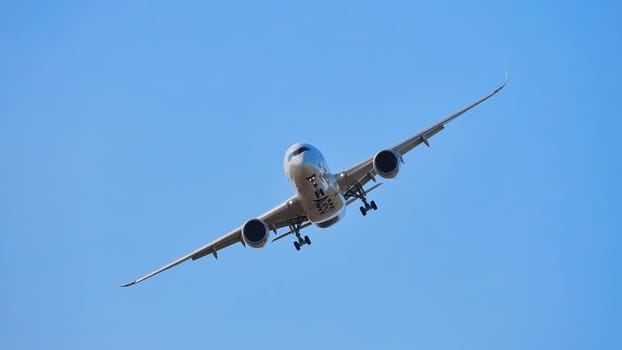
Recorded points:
(321, 197)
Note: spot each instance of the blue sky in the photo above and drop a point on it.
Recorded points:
(132, 132)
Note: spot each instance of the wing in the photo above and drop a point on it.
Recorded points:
(363, 172)
(278, 217)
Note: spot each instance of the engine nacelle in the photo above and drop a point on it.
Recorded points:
(387, 164)
(255, 233)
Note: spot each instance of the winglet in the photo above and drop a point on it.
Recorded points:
(502, 85)
(127, 284)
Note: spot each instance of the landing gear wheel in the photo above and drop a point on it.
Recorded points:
(373, 205)
(297, 245)
(363, 211)
(307, 240)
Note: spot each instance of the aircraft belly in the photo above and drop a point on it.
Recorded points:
(325, 207)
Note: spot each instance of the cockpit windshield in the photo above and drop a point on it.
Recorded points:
(297, 152)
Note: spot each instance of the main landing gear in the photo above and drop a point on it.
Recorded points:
(368, 206)
(300, 241)
(359, 192)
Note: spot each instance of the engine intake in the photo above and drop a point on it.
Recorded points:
(255, 233)
(387, 164)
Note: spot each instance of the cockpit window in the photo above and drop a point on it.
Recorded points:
(297, 152)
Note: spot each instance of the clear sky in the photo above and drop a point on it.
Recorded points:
(132, 132)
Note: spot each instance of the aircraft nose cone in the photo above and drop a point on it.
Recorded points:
(302, 170)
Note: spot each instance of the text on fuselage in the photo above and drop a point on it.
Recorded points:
(323, 203)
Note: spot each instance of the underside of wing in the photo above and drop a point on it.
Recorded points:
(280, 216)
(357, 176)
(211, 248)
(423, 136)
(284, 214)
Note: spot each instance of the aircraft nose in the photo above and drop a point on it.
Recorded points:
(301, 169)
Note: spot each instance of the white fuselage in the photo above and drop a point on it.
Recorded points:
(315, 186)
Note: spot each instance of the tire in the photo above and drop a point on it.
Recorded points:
(307, 240)
(373, 205)
(363, 211)
(297, 245)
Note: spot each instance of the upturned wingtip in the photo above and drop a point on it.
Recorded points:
(127, 284)
(502, 85)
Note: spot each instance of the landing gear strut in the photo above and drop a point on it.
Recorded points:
(300, 241)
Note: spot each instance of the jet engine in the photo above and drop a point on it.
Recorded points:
(387, 163)
(255, 233)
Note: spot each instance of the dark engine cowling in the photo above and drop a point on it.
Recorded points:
(387, 164)
(255, 233)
